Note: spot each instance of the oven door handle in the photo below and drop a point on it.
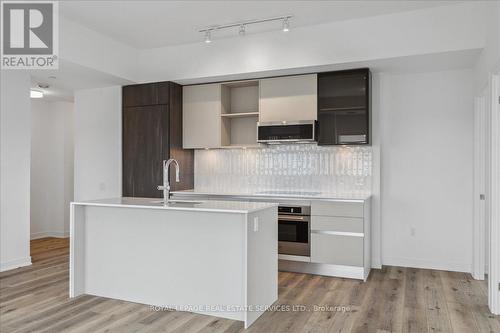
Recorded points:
(293, 218)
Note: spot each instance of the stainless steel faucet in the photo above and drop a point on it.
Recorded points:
(166, 184)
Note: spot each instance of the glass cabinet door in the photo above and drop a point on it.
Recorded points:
(343, 107)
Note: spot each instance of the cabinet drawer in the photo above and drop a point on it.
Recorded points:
(330, 208)
(335, 223)
(336, 250)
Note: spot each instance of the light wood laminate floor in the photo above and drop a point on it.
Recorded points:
(394, 299)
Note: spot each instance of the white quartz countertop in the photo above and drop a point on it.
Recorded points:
(273, 195)
(242, 207)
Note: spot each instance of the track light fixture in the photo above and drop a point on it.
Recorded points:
(243, 25)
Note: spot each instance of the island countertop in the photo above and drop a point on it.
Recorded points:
(243, 207)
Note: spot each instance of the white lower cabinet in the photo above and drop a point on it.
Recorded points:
(336, 249)
(340, 238)
(341, 224)
(342, 209)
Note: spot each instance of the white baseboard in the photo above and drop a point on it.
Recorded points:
(294, 258)
(12, 264)
(351, 272)
(57, 234)
(428, 264)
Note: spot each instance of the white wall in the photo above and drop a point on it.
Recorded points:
(376, 228)
(15, 145)
(98, 141)
(489, 60)
(494, 281)
(83, 46)
(51, 168)
(426, 169)
(69, 158)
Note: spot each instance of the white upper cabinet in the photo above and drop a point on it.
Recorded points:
(222, 115)
(201, 116)
(288, 98)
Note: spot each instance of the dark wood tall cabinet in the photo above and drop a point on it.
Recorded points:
(344, 107)
(152, 132)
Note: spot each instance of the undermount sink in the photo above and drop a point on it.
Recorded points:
(178, 202)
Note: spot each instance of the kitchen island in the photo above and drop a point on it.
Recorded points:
(216, 257)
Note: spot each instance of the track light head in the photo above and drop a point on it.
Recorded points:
(208, 38)
(286, 24)
(36, 93)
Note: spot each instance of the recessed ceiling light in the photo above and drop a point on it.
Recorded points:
(36, 93)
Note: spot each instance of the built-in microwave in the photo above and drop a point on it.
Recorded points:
(286, 132)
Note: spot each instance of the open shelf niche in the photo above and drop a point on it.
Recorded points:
(239, 113)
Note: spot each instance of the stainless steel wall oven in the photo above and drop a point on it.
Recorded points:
(294, 228)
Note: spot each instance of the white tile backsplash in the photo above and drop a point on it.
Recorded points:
(301, 167)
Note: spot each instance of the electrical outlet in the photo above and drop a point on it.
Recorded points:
(255, 224)
(412, 231)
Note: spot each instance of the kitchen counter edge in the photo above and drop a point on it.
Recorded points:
(219, 206)
(273, 197)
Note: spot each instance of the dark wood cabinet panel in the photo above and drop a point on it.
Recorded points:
(140, 95)
(145, 146)
(164, 92)
(344, 106)
(151, 134)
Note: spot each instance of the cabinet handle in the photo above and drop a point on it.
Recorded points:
(290, 218)
(338, 233)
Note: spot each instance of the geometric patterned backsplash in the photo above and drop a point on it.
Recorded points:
(297, 167)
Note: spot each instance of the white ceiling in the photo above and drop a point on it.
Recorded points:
(150, 24)
(70, 77)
